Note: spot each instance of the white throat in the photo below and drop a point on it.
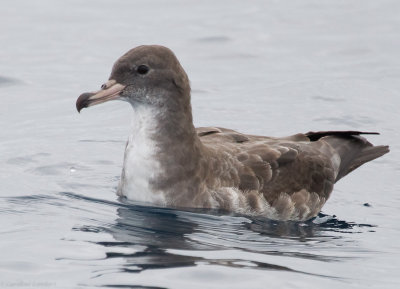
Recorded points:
(140, 163)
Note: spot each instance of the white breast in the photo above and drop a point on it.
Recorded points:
(140, 163)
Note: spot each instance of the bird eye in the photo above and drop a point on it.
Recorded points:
(142, 69)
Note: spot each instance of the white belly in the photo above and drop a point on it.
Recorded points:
(140, 163)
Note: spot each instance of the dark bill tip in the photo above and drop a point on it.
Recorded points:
(83, 100)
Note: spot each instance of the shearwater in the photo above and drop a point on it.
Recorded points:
(169, 162)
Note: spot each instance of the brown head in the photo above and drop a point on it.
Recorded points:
(146, 75)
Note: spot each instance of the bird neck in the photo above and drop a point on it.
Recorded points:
(164, 141)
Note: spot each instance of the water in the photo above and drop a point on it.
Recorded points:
(265, 67)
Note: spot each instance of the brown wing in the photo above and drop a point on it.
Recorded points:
(311, 162)
(221, 135)
(271, 165)
(294, 174)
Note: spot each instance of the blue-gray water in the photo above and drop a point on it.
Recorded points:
(264, 67)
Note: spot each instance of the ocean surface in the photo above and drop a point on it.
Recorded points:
(262, 67)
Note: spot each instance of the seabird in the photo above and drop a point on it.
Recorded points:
(169, 162)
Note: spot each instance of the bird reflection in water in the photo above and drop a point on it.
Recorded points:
(170, 238)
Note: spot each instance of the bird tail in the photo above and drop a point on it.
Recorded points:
(353, 149)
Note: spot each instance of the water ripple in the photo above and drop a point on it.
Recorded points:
(149, 238)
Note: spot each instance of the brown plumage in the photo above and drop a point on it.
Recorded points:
(169, 162)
